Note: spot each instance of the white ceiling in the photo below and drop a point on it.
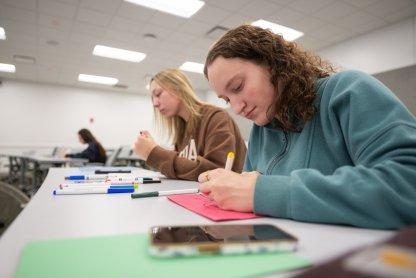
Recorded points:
(78, 25)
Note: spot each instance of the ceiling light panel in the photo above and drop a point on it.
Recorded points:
(97, 79)
(192, 67)
(182, 8)
(118, 53)
(288, 34)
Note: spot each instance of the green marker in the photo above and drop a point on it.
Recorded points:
(164, 193)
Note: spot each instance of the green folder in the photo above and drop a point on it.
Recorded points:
(127, 256)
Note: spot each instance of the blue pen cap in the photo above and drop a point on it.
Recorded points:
(120, 190)
(75, 178)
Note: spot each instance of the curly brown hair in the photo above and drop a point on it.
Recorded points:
(296, 68)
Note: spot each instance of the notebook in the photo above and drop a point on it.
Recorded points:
(126, 256)
(202, 205)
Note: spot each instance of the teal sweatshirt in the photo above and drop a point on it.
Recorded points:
(353, 163)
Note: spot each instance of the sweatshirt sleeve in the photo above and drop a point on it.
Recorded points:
(220, 139)
(88, 153)
(379, 189)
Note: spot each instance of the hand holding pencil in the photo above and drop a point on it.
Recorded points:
(229, 190)
(144, 145)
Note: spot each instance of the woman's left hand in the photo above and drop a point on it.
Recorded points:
(144, 145)
(229, 190)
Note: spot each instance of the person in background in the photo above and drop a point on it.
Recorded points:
(95, 151)
(202, 134)
(325, 147)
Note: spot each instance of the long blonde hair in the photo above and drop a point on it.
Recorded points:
(175, 82)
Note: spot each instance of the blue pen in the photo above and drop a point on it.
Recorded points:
(86, 177)
(78, 185)
(93, 190)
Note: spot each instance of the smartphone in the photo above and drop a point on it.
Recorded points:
(176, 241)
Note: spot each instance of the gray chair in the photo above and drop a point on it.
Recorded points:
(111, 159)
(12, 202)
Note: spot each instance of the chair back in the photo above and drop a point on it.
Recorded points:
(12, 202)
(112, 157)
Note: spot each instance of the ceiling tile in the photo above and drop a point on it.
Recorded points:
(134, 12)
(334, 11)
(370, 26)
(53, 34)
(211, 14)
(48, 73)
(286, 17)
(57, 8)
(361, 3)
(180, 37)
(93, 17)
(308, 24)
(308, 6)
(337, 38)
(203, 43)
(195, 27)
(80, 25)
(84, 38)
(171, 48)
(236, 20)
(119, 36)
(326, 31)
(230, 5)
(399, 15)
(23, 71)
(282, 2)
(167, 20)
(24, 4)
(18, 27)
(259, 9)
(356, 19)
(22, 40)
(385, 7)
(310, 43)
(18, 14)
(105, 6)
(71, 2)
(54, 22)
(88, 29)
(159, 32)
(126, 25)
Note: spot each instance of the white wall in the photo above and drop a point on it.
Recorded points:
(40, 116)
(385, 49)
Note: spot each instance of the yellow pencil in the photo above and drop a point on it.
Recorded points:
(230, 161)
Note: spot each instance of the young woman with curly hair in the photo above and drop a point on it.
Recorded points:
(325, 147)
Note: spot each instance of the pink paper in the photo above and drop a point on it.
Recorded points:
(202, 205)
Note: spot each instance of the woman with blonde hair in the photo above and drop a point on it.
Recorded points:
(202, 134)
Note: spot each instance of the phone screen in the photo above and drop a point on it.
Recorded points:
(218, 233)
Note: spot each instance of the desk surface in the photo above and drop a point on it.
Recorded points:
(46, 159)
(71, 216)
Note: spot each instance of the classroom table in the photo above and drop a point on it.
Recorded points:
(19, 166)
(72, 216)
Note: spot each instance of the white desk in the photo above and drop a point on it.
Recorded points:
(53, 217)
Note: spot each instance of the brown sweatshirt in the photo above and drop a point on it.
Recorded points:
(207, 149)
